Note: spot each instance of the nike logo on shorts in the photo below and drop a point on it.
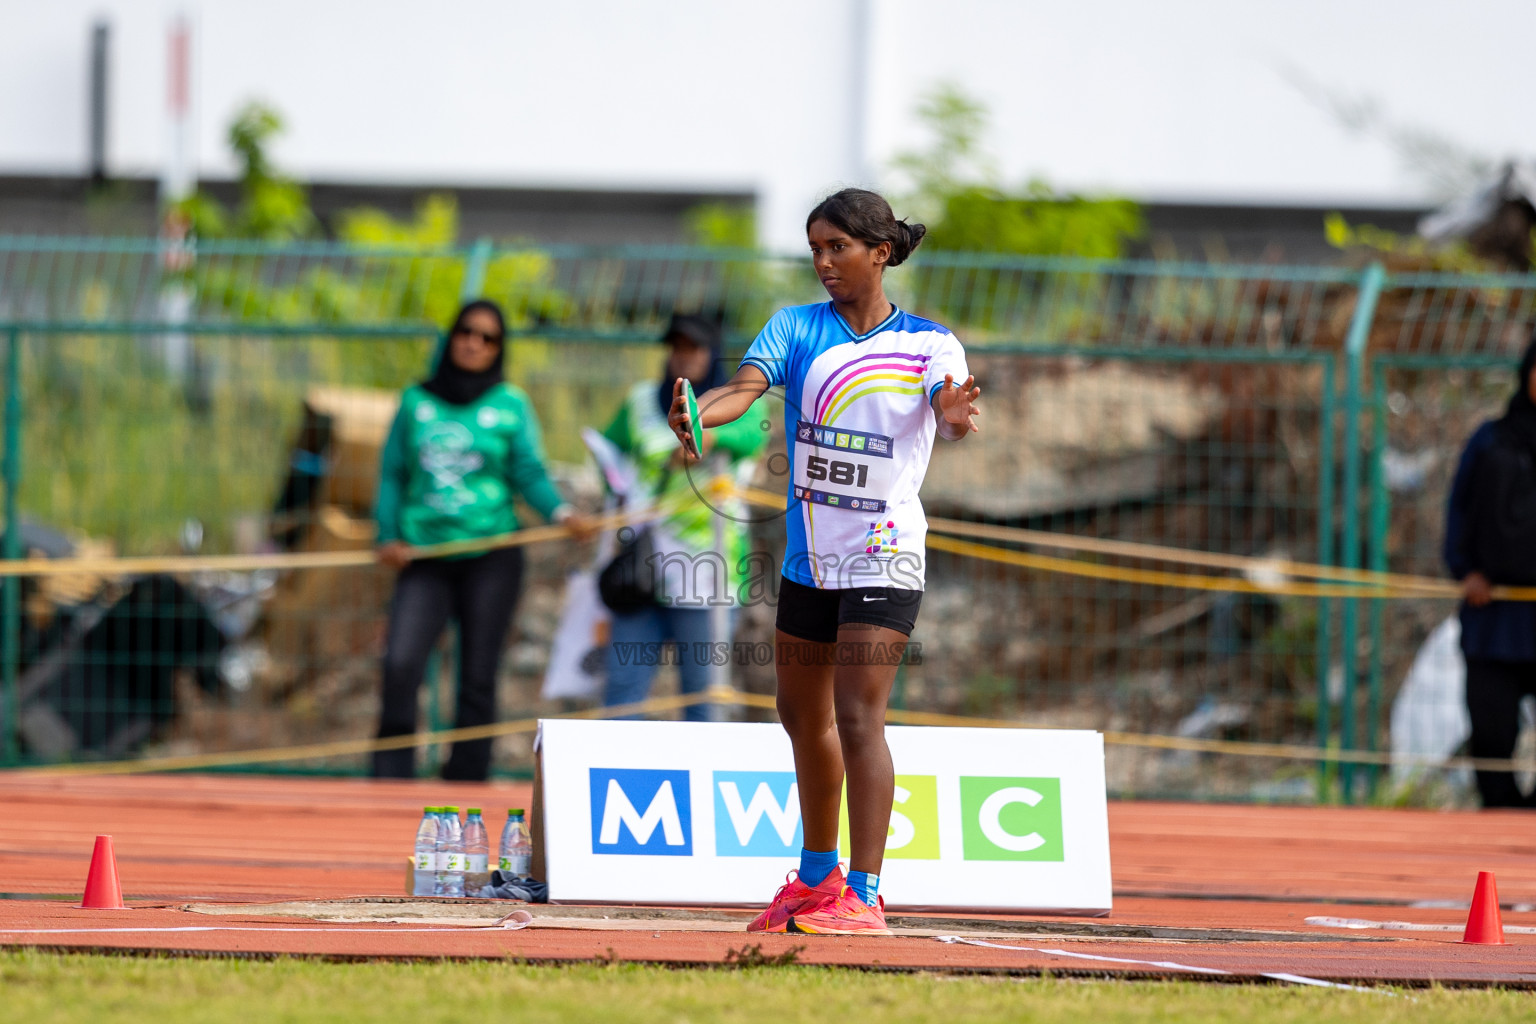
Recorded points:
(868, 598)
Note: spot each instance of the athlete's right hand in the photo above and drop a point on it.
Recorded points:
(677, 419)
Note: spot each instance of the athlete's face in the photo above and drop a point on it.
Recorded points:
(847, 267)
(475, 344)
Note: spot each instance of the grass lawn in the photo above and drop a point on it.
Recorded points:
(45, 987)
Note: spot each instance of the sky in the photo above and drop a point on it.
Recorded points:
(1179, 99)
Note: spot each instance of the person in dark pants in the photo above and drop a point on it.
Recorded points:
(463, 443)
(1490, 539)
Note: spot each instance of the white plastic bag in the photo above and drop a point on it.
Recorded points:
(1429, 716)
(576, 657)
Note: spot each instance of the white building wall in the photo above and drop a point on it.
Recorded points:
(1183, 99)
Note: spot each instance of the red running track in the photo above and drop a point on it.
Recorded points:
(250, 838)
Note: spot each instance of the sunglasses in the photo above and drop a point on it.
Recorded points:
(487, 337)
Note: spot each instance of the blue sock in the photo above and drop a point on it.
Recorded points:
(815, 866)
(865, 886)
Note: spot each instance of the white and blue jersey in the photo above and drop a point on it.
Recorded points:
(860, 428)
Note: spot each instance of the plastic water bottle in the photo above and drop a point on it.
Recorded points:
(450, 854)
(516, 847)
(424, 882)
(477, 845)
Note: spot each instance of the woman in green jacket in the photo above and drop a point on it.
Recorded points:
(690, 568)
(463, 443)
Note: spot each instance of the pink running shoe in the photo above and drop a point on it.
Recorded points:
(843, 914)
(793, 898)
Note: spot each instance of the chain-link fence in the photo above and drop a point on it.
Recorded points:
(234, 398)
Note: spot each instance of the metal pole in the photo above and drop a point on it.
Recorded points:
(474, 270)
(96, 143)
(1381, 519)
(1354, 370)
(720, 620)
(861, 31)
(1325, 524)
(10, 592)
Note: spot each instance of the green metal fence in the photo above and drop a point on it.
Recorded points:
(229, 398)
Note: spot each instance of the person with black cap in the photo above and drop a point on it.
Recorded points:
(463, 443)
(1490, 540)
(692, 575)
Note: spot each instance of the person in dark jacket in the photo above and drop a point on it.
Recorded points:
(463, 443)
(1490, 539)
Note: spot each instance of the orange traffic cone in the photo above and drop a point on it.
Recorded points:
(1484, 924)
(102, 891)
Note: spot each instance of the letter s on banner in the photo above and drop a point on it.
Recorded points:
(902, 831)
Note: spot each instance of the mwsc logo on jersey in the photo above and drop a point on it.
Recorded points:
(757, 814)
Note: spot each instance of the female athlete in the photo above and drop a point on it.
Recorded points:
(867, 386)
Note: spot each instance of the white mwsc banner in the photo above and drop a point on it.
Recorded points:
(697, 812)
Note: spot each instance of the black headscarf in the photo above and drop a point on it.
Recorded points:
(701, 331)
(456, 385)
(1518, 423)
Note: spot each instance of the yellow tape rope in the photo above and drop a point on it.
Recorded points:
(1265, 575)
(1340, 582)
(730, 697)
(1371, 584)
(309, 559)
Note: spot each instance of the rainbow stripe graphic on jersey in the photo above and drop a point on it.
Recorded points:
(898, 373)
(859, 428)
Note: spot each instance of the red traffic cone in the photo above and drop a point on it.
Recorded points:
(1484, 924)
(102, 891)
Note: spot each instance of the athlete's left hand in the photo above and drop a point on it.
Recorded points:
(956, 406)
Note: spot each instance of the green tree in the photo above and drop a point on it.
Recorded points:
(1036, 222)
(956, 189)
(1402, 252)
(398, 269)
(272, 208)
(955, 159)
(722, 225)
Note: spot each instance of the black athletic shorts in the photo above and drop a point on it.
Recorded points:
(813, 614)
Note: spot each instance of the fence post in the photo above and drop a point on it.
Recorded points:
(474, 270)
(10, 589)
(1381, 520)
(1355, 345)
(1325, 521)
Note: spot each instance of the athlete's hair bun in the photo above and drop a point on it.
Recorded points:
(911, 238)
(866, 215)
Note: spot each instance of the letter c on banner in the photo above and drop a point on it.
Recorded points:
(991, 819)
(902, 830)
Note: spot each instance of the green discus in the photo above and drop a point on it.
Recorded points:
(696, 426)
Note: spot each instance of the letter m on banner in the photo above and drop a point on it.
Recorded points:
(641, 811)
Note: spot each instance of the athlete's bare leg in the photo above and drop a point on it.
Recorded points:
(860, 691)
(805, 676)
(835, 717)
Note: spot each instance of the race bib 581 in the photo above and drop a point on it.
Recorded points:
(842, 468)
